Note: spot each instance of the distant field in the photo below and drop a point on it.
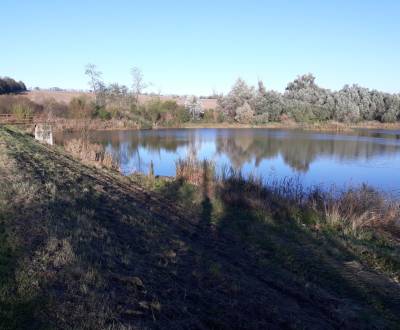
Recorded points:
(40, 96)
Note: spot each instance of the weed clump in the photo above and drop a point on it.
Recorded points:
(90, 153)
(195, 171)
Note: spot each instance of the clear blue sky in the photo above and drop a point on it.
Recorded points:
(196, 46)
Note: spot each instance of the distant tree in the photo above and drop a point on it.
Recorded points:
(10, 86)
(117, 97)
(237, 97)
(274, 105)
(304, 100)
(138, 83)
(95, 81)
(244, 114)
(269, 105)
(260, 104)
(305, 81)
(347, 105)
(392, 111)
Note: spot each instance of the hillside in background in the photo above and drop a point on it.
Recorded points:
(41, 96)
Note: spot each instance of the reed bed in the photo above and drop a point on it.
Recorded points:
(90, 153)
(352, 209)
(195, 171)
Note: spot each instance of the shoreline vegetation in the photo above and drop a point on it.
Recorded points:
(302, 105)
(74, 126)
(82, 245)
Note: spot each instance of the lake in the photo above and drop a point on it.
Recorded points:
(341, 159)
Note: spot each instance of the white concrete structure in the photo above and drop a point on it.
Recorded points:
(44, 133)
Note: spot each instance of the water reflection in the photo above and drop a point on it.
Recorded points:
(371, 156)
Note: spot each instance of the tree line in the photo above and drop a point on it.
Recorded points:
(9, 86)
(303, 100)
(114, 100)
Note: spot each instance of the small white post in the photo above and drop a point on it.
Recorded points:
(44, 133)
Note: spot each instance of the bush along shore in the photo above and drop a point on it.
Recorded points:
(83, 247)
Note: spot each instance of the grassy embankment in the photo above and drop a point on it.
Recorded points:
(86, 247)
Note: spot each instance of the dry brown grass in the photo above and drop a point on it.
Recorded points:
(194, 171)
(362, 208)
(90, 153)
(352, 211)
(63, 124)
(41, 96)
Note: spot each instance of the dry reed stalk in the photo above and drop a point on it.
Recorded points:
(90, 153)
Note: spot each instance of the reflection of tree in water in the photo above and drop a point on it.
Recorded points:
(129, 150)
(297, 150)
(241, 149)
(126, 147)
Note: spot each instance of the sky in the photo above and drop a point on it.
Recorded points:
(201, 47)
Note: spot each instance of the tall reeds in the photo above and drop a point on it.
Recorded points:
(90, 153)
(195, 171)
(351, 210)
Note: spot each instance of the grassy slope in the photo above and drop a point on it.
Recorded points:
(81, 247)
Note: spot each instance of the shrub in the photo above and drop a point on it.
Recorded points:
(182, 115)
(195, 171)
(80, 107)
(90, 153)
(144, 124)
(22, 111)
(360, 208)
(114, 112)
(220, 117)
(300, 111)
(153, 110)
(261, 119)
(244, 114)
(101, 113)
(53, 108)
(7, 102)
(209, 116)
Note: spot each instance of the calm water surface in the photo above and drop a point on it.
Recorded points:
(367, 156)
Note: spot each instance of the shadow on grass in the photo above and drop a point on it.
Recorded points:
(122, 256)
(279, 234)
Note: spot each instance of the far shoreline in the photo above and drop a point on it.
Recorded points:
(113, 125)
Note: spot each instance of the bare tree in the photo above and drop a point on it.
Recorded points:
(138, 83)
(95, 81)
